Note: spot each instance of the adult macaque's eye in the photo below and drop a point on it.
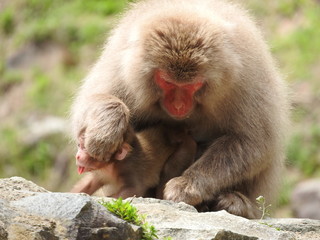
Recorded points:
(193, 87)
(162, 79)
(168, 85)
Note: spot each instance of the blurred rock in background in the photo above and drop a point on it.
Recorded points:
(305, 199)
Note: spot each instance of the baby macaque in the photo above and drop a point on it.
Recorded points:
(136, 166)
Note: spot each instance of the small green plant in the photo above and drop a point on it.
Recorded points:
(129, 213)
(261, 201)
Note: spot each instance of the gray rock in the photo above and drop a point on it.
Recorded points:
(305, 199)
(15, 188)
(179, 223)
(296, 225)
(44, 215)
(31, 212)
(304, 229)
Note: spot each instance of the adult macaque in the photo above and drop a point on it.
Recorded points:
(201, 65)
(136, 166)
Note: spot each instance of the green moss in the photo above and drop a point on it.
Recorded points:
(304, 152)
(126, 211)
(289, 7)
(9, 142)
(37, 160)
(39, 92)
(102, 7)
(300, 49)
(285, 193)
(7, 21)
(9, 79)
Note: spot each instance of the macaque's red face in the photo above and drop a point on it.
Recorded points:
(177, 97)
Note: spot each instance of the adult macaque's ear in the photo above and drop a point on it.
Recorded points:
(122, 153)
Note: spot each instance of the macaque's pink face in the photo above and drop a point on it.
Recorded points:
(85, 163)
(177, 97)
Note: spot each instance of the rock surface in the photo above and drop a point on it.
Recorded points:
(28, 211)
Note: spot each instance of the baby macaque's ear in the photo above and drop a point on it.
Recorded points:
(123, 151)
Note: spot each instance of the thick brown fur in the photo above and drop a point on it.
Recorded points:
(240, 116)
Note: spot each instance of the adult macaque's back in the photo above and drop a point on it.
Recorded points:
(204, 66)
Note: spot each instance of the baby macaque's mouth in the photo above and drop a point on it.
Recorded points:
(81, 169)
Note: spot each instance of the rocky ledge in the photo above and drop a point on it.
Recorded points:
(28, 211)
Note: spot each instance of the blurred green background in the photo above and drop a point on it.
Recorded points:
(48, 46)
